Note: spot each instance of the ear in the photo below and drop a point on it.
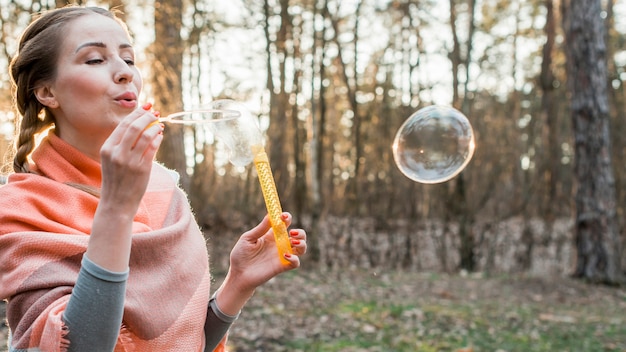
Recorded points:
(46, 97)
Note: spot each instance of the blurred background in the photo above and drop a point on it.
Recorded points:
(330, 82)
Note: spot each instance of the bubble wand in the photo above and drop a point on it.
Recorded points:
(241, 134)
(191, 117)
(272, 202)
(234, 125)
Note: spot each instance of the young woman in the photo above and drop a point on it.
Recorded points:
(99, 250)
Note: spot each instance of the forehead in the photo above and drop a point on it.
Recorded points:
(94, 27)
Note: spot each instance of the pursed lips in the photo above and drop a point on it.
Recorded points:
(127, 100)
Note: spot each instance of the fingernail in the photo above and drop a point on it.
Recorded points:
(287, 255)
(157, 113)
(147, 106)
(293, 233)
(284, 216)
(295, 242)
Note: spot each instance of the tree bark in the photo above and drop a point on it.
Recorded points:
(549, 110)
(167, 66)
(352, 89)
(457, 207)
(597, 240)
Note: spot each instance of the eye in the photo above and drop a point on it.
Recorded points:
(94, 61)
(130, 62)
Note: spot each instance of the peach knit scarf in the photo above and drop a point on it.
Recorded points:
(44, 229)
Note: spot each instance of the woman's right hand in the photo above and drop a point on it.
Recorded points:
(126, 159)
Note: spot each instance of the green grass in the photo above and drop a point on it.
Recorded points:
(371, 315)
(452, 327)
(413, 312)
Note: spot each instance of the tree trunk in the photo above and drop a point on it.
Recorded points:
(279, 128)
(597, 239)
(549, 110)
(457, 206)
(350, 80)
(300, 134)
(167, 66)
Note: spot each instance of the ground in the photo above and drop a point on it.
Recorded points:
(400, 311)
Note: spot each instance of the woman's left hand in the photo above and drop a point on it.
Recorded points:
(254, 260)
(255, 256)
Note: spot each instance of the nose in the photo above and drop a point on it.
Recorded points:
(123, 72)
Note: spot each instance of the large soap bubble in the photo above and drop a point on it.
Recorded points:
(434, 144)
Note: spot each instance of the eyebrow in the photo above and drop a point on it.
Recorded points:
(100, 45)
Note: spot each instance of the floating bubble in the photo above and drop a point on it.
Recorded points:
(230, 122)
(241, 135)
(434, 144)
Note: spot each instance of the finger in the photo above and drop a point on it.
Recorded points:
(150, 151)
(287, 218)
(146, 126)
(258, 231)
(120, 131)
(297, 239)
(299, 248)
(132, 141)
(147, 137)
(294, 260)
(298, 234)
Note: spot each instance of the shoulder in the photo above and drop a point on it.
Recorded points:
(26, 190)
(19, 197)
(14, 187)
(30, 202)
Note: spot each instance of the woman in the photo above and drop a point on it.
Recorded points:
(99, 250)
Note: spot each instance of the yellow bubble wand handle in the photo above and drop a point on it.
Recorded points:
(272, 202)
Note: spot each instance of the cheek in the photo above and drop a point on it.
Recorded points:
(77, 86)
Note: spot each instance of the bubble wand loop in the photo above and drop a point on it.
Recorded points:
(192, 117)
(234, 125)
(272, 202)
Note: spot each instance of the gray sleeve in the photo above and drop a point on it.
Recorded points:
(94, 312)
(216, 325)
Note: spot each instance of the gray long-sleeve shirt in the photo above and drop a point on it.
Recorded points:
(94, 312)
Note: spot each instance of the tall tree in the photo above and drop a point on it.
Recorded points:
(166, 81)
(300, 133)
(597, 239)
(316, 124)
(549, 110)
(279, 53)
(349, 76)
(458, 201)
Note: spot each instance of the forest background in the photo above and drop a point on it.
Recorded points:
(332, 81)
(482, 262)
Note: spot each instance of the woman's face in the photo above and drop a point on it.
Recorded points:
(96, 83)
